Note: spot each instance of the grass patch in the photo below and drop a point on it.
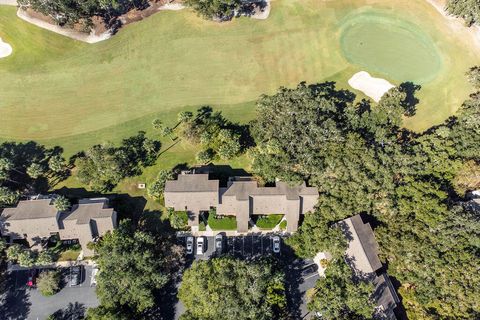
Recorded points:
(283, 225)
(69, 255)
(268, 221)
(217, 222)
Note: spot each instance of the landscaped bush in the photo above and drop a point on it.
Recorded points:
(269, 221)
(217, 222)
(179, 219)
(49, 283)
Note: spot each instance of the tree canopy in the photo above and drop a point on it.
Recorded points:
(363, 161)
(215, 9)
(469, 10)
(135, 264)
(228, 288)
(103, 166)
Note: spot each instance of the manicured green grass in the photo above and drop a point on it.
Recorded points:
(69, 255)
(61, 91)
(268, 221)
(219, 223)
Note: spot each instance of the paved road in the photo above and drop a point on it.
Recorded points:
(20, 302)
(256, 245)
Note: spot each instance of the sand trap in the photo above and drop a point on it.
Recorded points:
(80, 36)
(5, 49)
(375, 88)
(172, 6)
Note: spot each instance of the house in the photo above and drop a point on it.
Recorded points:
(37, 220)
(362, 256)
(241, 198)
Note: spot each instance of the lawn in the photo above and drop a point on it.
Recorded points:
(268, 221)
(59, 91)
(63, 92)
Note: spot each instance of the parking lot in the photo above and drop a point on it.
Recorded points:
(248, 246)
(21, 302)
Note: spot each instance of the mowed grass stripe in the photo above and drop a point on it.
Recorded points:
(54, 89)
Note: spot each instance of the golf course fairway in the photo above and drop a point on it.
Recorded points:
(58, 91)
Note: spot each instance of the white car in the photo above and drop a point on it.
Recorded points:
(219, 243)
(200, 245)
(93, 279)
(189, 245)
(276, 244)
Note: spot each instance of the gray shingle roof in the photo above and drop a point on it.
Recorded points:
(88, 209)
(31, 209)
(192, 183)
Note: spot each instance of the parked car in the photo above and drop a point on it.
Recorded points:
(32, 278)
(75, 276)
(276, 244)
(200, 245)
(93, 279)
(190, 245)
(219, 243)
(309, 270)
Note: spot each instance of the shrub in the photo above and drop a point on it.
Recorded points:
(48, 283)
(156, 188)
(179, 219)
(269, 221)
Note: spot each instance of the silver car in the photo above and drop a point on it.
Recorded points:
(219, 243)
(276, 244)
(189, 245)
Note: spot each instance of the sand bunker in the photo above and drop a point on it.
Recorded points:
(375, 88)
(5, 49)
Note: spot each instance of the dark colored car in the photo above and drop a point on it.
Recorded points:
(309, 270)
(75, 276)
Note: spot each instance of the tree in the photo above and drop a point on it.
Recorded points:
(48, 282)
(469, 10)
(467, 178)
(341, 295)
(57, 164)
(205, 156)
(215, 9)
(185, 116)
(35, 170)
(227, 288)
(61, 203)
(45, 257)
(134, 265)
(229, 144)
(8, 197)
(102, 167)
(155, 189)
(167, 131)
(157, 124)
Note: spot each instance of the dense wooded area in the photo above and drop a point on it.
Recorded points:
(363, 161)
(469, 10)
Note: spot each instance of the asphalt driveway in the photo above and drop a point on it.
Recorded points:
(20, 302)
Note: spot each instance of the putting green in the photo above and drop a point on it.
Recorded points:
(390, 46)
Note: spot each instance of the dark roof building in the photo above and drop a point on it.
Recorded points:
(38, 219)
(362, 256)
(241, 198)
